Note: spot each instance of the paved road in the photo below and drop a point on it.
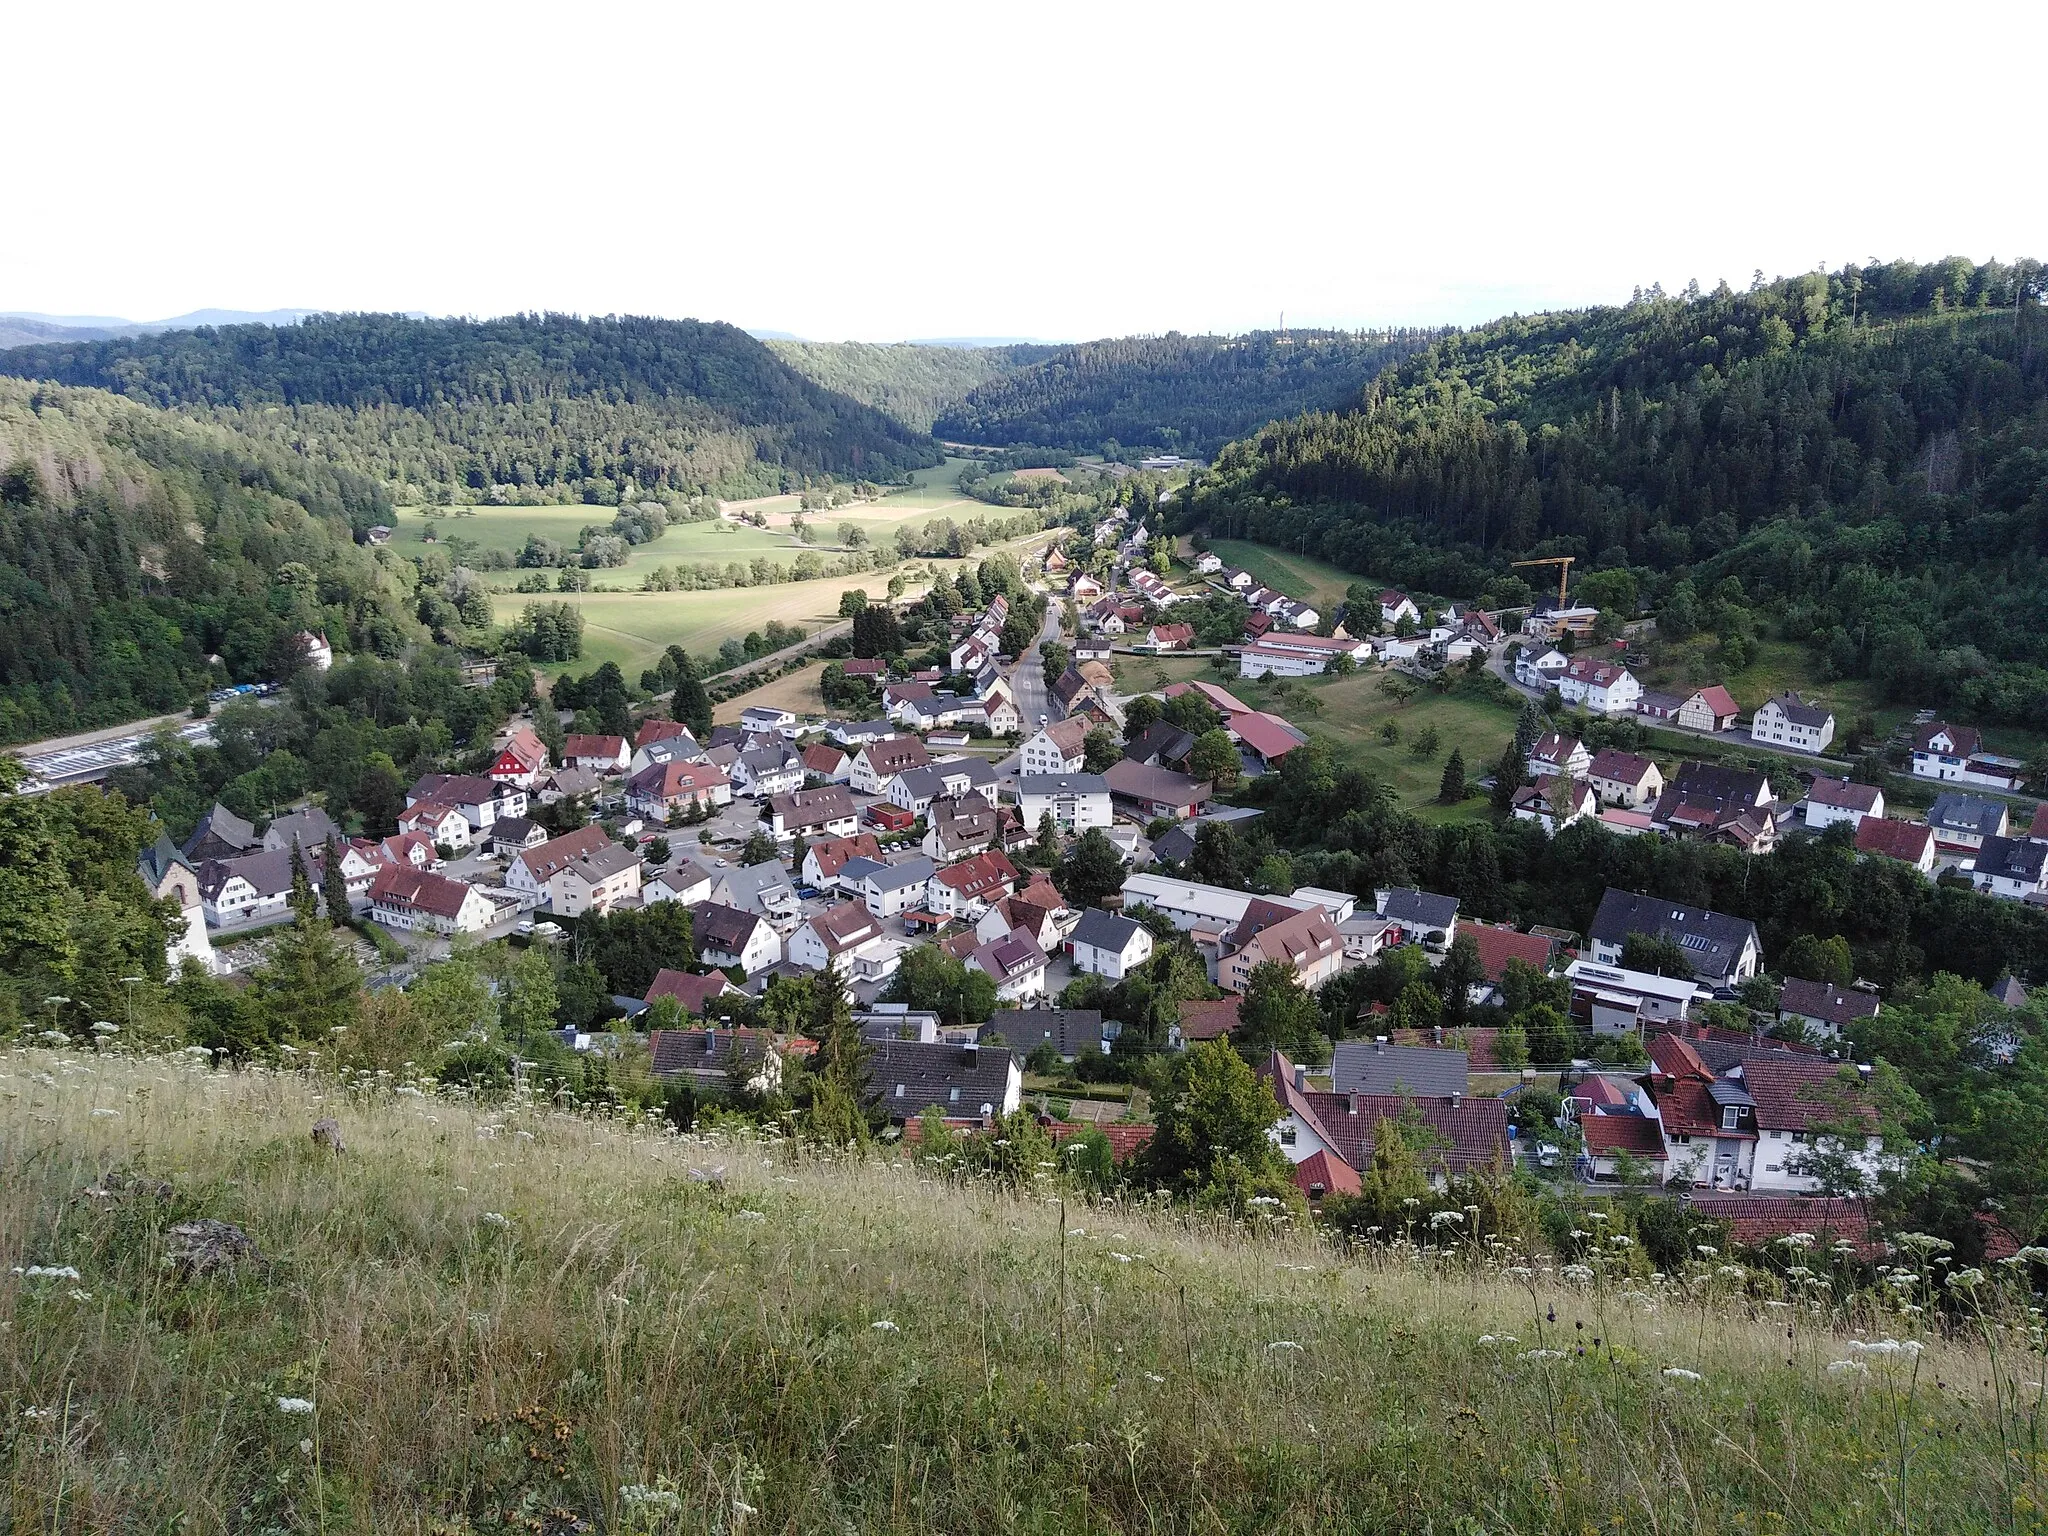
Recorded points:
(1027, 677)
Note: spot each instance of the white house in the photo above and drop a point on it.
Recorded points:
(1396, 606)
(595, 882)
(596, 754)
(249, 889)
(1618, 1001)
(726, 936)
(481, 799)
(1076, 801)
(420, 901)
(1540, 669)
(812, 814)
(1108, 946)
(2011, 867)
(1191, 905)
(1603, 687)
(876, 763)
(850, 936)
(966, 889)
(760, 772)
(529, 870)
(1057, 748)
(1833, 800)
(1557, 753)
(1789, 721)
(441, 825)
(1015, 963)
(682, 881)
(890, 890)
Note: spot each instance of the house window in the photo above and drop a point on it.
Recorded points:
(1730, 1117)
(1286, 1135)
(952, 1095)
(1682, 1141)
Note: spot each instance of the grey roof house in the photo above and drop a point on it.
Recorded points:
(1374, 1066)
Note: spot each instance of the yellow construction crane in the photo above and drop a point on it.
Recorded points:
(1564, 570)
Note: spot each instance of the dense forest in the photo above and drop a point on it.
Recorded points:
(912, 383)
(1858, 459)
(137, 544)
(529, 407)
(1186, 393)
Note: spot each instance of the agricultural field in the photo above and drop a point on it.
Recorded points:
(795, 691)
(1313, 581)
(933, 493)
(633, 628)
(508, 528)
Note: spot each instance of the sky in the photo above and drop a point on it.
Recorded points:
(1061, 171)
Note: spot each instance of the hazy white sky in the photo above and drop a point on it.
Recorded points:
(884, 171)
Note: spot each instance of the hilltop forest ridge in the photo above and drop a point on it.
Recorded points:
(1857, 459)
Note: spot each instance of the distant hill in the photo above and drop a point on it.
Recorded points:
(1189, 393)
(1855, 460)
(911, 381)
(135, 543)
(21, 329)
(550, 405)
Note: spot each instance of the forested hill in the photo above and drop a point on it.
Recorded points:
(910, 382)
(136, 543)
(535, 405)
(1857, 459)
(1187, 393)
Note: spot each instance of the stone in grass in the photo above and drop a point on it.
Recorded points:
(202, 1248)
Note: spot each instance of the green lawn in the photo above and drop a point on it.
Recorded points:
(1356, 707)
(633, 628)
(1314, 581)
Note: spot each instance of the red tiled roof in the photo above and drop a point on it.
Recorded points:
(654, 729)
(1208, 1020)
(1905, 840)
(1322, 1174)
(402, 885)
(1268, 735)
(574, 747)
(1497, 946)
(1125, 1138)
(1792, 1092)
(1842, 795)
(1719, 701)
(546, 859)
(1675, 1058)
(693, 992)
(1755, 1221)
(664, 781)
(833, 853)
(824, 760)
(1633, 1134)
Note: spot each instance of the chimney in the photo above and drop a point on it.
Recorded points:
(970, 1053)
(1379, 1045)
(1301, 1079)
(1457, 1100)
(1350, 1103)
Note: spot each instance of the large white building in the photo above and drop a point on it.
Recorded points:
(1057, 748)
(1076, 801)
(1789, 721)
(1603, 687)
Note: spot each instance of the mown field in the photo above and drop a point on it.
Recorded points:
(633, 628)
(507, 1317)
(1314, 581)
(796, 691)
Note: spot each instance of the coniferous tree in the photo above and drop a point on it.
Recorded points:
(302, 899)
(691, 704)
(1508, 775)
(334, 885)
(1451, 788)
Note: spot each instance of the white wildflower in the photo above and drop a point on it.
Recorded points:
(1500, 1338)
(1908, 1347)
(298, 1407)
(1680, 1373)
(1579, 1272)
(49, 1272)
(2031, 1254)
(1542, 1354)
(1966, 1279)
(37, 1415)
(495, 1219)
(1157, 1381)
(1121, 1258)
(1731, 1271)
(883, 1325)
(105, 1028)
(1262, 1200)
(1706, 1250)
(77, 1295)
(1847, 1368)
(1621, 1241)
(640, 1496)
(106, 1114)
(1283, 1344)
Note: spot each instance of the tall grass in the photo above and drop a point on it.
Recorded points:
(525, 1319)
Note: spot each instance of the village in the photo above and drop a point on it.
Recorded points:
(811, 845)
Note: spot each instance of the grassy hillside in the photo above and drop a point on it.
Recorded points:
(547, 406)
(511, 1318)
(910, 383)
(1188, 393)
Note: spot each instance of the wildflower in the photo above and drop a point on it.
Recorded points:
(1157, 1381)
(1504, 1338)
(883, 1325)
(37, 1415)
(1447, 1219)
(106, 1114)
(49, 1272)
(1282, 1344)
(1680, 1373)
(1121, 1258)
(640, 1496)
(1730, 1271)
(1706, 1250)
(1542, 1354)
(297, 1407)
(77, 1295)
(1411, 1202)
(1922, 1242)
(495, 1219)
(2031, 1254)
(1579, 1272)
(104, 1028)
(751, 1216)
(1847, 1368)
(1621, 1241)
(1579, 1232)
(1262, 1200)
(1908, 1347)
(742, 1507)
(54, 1037)
(1966, 1279)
